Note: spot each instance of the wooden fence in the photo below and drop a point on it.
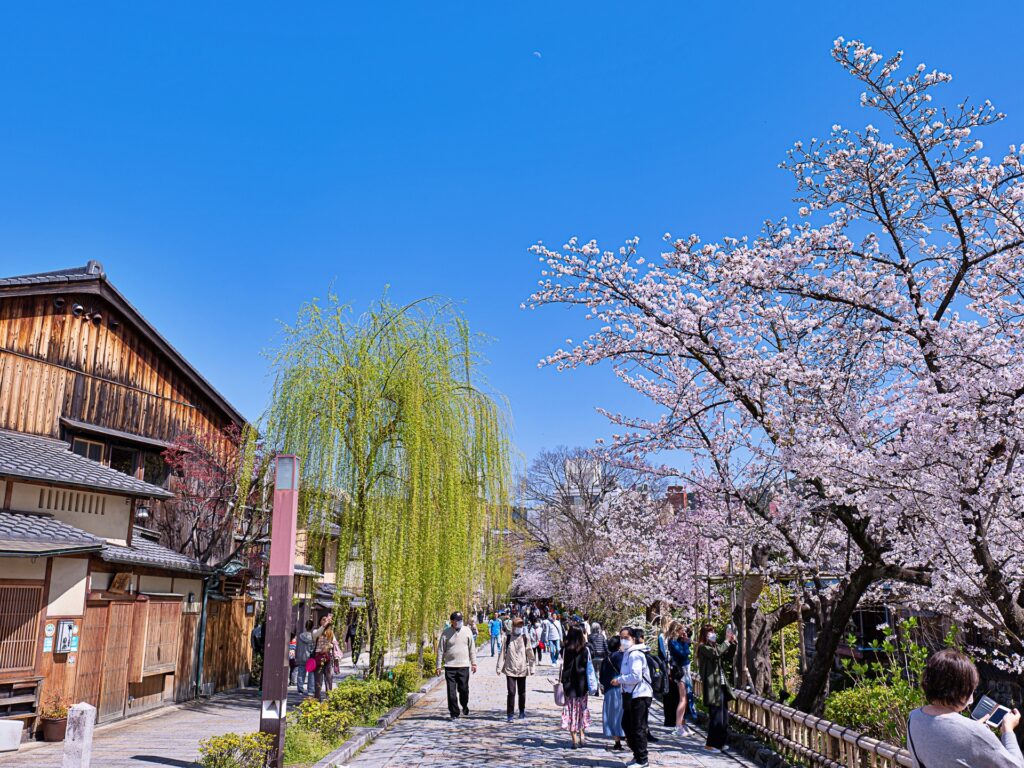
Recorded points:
(809, 739)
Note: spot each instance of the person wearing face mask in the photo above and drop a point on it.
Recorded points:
(938, 736)
(711, 660)
(635, 681)
(515, 660)
(456, 652)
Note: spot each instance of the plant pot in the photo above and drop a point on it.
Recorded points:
(54, 730)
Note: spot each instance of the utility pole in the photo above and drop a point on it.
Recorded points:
(274, 707)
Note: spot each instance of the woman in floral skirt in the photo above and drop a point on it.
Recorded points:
(575, 683)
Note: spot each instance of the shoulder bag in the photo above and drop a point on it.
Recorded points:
(592, 683)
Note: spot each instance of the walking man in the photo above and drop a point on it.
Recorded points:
(494, 626)
(556, 636)
(456, 652)
(635, 682)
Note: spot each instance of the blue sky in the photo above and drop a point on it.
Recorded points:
(227, 162)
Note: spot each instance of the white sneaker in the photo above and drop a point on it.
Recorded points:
(635, 764)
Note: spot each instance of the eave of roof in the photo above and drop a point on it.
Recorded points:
(143, 551)
(25, 534)
(125, 437)
(92, 279)
(42, 459)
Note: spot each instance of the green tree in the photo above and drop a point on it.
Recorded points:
(402, 450)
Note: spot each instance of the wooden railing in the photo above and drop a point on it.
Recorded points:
(810, 739)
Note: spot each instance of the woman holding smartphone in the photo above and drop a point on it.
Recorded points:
(937, 734)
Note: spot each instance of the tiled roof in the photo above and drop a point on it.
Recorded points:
(90, 271)
(145, 552)
(301, 569)
(40, 458)
(28, 534)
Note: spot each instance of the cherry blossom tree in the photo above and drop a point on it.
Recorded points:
(219, 509)
(862, 361)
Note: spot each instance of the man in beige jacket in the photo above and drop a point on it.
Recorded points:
(515, 660)
(456, 652)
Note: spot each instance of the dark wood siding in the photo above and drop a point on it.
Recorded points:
(55, 365)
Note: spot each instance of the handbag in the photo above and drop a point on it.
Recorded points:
(591, 675)
(559, 693)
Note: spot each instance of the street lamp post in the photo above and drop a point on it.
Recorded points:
(274, 705)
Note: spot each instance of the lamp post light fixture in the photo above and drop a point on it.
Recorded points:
(274, 706)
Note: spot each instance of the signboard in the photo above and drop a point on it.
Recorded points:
(47, 645)
(121, 583)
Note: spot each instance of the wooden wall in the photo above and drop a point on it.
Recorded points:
(228, 652)
(53, 364)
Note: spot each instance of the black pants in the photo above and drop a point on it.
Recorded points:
(718, 725)
(457, 680)
(669, 703)
(515, 684)
(634, 724)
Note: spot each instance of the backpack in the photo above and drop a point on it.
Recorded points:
(659, 674)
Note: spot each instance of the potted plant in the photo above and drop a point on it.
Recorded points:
(55, 718)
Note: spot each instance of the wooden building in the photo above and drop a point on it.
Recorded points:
(92, 606)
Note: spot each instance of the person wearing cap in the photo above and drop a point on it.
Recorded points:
(456, 652)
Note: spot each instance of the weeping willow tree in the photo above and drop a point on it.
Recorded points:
(400, 449)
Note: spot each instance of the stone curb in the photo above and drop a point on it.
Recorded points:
(364, 736)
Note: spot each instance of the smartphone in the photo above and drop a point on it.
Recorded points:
(987, 706)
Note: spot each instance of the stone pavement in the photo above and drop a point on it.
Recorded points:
(426, 737)
(169, 736)
(164, 738)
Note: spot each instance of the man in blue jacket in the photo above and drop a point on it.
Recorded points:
(494, 626)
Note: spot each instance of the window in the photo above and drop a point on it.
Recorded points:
(123, 458)
(154, 470)
(19, 626)
(88, 448)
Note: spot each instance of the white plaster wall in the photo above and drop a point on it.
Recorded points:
(23, 568)
(184, 586)
(111, 523)
(155, 584)
(99, 580)
(67, 586)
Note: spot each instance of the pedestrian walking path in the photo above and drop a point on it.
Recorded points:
(426, 737)
(165, 738)
(170, 737)
(423, 737)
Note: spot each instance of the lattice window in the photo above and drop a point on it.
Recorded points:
(19, 626)
(58, 500)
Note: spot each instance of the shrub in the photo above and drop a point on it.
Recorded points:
(232, 750)
(429, 662)
(365, 700)
(878, 710)
(408, 676)
(323, 719)
(885, 690)
(305, 747)
(483, 634)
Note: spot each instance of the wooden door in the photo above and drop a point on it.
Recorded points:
(90, 654)
(114, 692)
(185, 673)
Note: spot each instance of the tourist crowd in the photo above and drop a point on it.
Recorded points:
(622, 669)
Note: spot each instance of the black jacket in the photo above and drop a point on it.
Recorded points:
(574, 674)
(610, 669)
(598, 645)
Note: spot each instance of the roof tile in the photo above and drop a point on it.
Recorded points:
(40, 458)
